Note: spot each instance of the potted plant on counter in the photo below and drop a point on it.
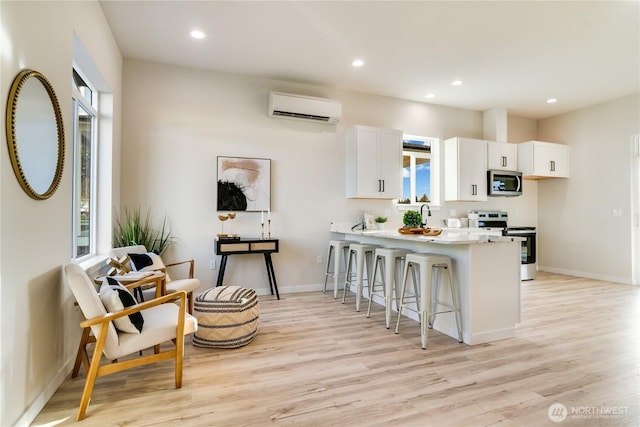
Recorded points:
(412, 221)
(380, 220)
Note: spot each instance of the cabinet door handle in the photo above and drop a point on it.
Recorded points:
(379, 186)
(382, 185)
(553, 166)
(474, 190)
(504, 161)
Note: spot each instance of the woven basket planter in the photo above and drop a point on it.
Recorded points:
(227, 317)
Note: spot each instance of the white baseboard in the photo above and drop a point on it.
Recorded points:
(292, 289)
(491, 336)
(604, 277)
(47, 393)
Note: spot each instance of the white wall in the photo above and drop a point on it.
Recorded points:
(176, 121)
(40, 327)
(578, 232)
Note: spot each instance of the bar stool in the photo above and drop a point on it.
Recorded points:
(336, 248)
(426, 305)
(360, 254)
(385, 260)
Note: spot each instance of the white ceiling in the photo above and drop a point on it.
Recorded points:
(511, 55)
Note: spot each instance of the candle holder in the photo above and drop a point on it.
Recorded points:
(269, 230)
(262, 233)
(223, 218)
(232, 216)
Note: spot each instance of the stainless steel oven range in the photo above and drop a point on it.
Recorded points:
(498, 220)
(528, 265)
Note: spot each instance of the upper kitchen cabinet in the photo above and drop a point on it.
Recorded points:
(465, 169)
(502, 156)
(374, 163)
(538, 159)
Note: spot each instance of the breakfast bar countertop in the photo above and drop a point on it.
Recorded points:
(449, 236)
(486, 269)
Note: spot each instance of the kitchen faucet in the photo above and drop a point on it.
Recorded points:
(428, 212)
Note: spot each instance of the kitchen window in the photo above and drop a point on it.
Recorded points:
(420, 177)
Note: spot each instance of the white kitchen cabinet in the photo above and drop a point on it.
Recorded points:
(539, 159)
(502, 156)
(465, 169)
(373, 163)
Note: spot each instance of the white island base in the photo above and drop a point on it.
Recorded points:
(486, 272)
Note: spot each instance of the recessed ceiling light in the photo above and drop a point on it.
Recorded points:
(551, 100)
(357, 63)
(456, 83)
(197, 34)
(430, 95)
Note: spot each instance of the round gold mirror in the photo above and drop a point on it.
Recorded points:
(35, 134)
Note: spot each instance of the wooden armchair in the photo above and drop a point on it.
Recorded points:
(163, 321)
(188, 284)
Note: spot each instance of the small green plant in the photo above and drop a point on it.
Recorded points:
(381, 219)
(412, 219)
(133, 229)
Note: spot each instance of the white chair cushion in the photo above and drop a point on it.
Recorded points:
(160, 326)
(187, 285)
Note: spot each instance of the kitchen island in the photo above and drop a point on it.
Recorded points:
(486, 271)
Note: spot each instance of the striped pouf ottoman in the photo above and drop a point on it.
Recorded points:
(227, 317)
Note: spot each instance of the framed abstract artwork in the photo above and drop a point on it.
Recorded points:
(244, 184)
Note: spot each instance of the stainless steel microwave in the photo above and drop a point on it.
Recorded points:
(504, 183)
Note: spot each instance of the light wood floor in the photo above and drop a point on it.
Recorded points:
(316, 362)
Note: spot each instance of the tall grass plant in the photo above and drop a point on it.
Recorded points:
(134, 229)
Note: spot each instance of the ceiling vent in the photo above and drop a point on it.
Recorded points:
(299, 107)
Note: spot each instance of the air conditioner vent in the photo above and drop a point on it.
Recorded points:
(301, 116)
(300, 107)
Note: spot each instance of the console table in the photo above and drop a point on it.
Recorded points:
(226, 247)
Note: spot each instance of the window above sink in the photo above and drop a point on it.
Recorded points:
(420, 172)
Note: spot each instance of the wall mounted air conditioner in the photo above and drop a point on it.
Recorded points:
(290, 106)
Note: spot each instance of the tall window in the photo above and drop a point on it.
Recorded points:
(418, 172)
(84, 166)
